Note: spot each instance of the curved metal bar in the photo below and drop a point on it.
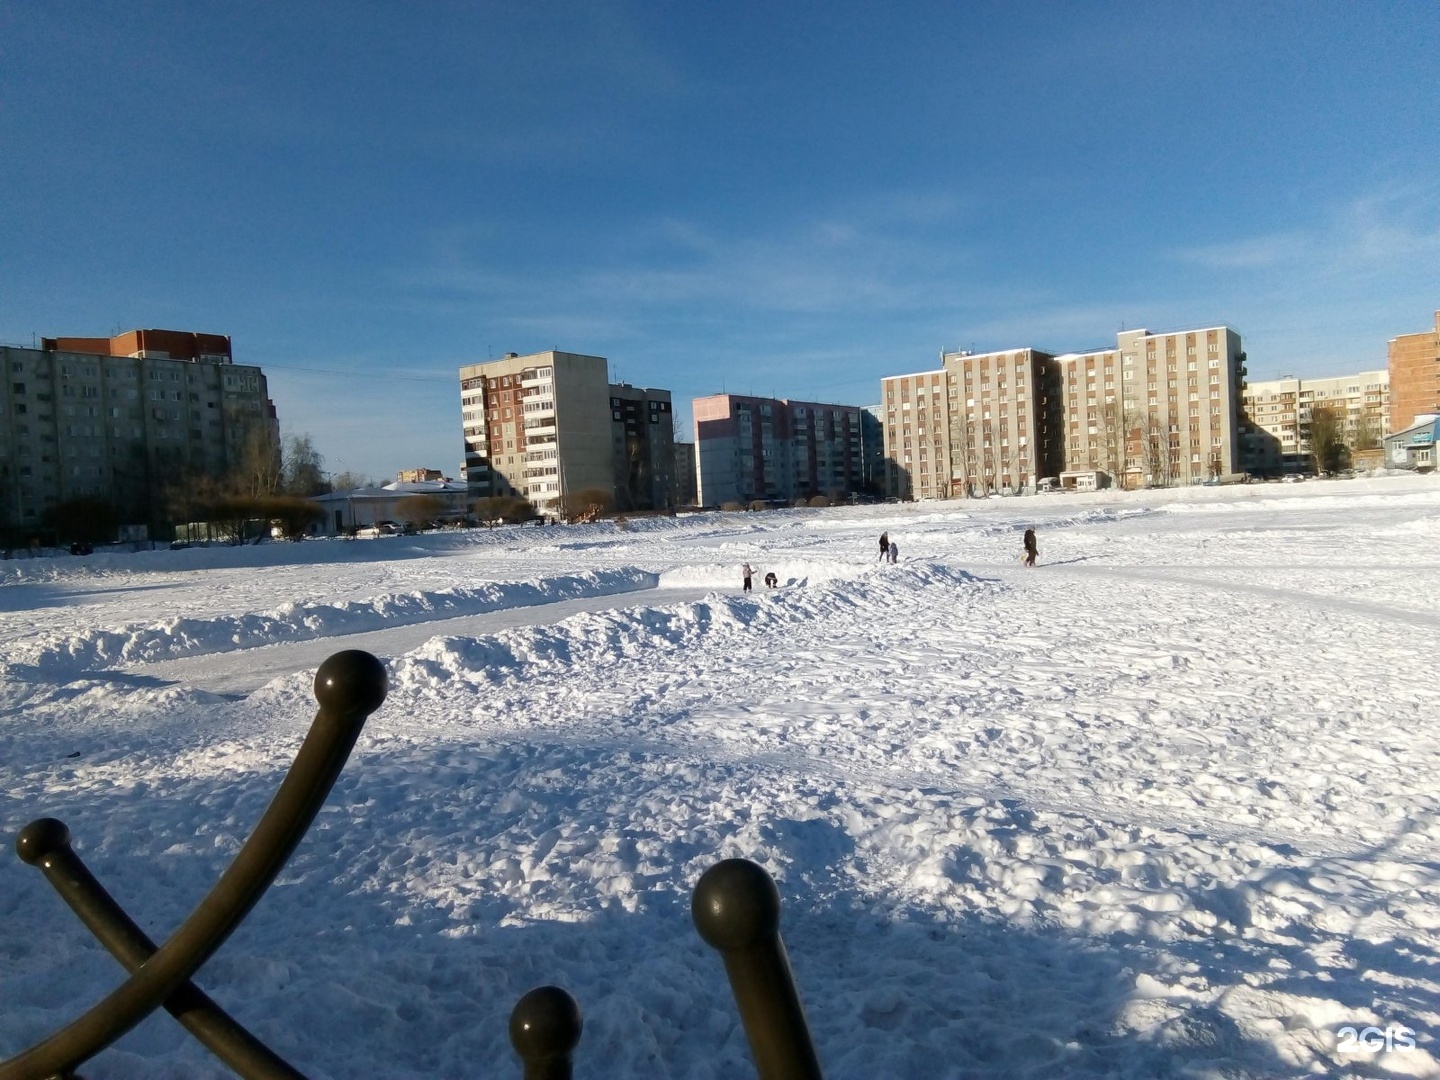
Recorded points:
(545, 1027)
(736, 908)
(46, 843)
(349, 686)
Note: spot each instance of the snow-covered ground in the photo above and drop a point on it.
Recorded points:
(1165, 805)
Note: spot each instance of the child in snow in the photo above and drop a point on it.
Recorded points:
(894, 552)
(1030, 549)
(771, 580)
(748, 574)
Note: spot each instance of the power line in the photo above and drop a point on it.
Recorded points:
(368, 374)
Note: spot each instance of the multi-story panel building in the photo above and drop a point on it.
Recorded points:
(872, 450)
(983, 422)
(687, 488)
(917, 435)
(774, 449)
(1157, 409)
(642, 447)
(124, 419)
(1180, 402)
(1279, 410)
(1001, 433)
(537, 426)
(548, 425)
(1093, 426)
(1414, 375)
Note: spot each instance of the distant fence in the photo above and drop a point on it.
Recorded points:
(735, 907)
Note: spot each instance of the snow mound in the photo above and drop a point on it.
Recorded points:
(53, 655)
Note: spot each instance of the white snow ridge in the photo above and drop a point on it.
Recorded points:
(1163, 806)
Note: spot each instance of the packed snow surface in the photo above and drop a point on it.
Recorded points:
(1163, 806)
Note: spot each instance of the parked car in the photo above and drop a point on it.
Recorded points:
(380, 528)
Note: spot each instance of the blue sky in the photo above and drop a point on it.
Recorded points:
(790, 199)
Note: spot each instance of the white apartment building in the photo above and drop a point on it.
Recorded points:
(550, 424)
(1279, 411)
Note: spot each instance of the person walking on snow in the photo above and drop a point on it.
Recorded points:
(1030, 549)
(894, 552)
(748, 574)
(884, 546)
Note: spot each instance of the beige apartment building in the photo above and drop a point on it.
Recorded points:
(1180, 405)
(1158, 409)
(124, 419)
(1279, 414)
(549, 424)
(1414, 364)
(999, 433)
(917, 412)
(1093, 429)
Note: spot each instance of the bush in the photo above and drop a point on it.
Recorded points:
(819, 500)
(293, 513)
(759, 504)
(503, 508)
(732, 506)
(589, 504)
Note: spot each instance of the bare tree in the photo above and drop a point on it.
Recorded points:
(259, 469)
(420, 510)
(1159, 466)
(304, 468)
(962, 457)
(349, 481)
(1368, 431)
(1326, 432)
(1112, 438)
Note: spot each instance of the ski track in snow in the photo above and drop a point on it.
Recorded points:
(1165, 806)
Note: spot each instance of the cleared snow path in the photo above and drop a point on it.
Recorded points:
(243, 672)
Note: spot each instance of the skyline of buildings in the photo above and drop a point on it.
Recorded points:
(126, 416)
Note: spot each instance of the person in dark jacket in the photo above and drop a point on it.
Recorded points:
(1031, 551)
(884, 546)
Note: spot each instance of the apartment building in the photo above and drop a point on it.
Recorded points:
(1157, 409)
(1414, 364)
(549, 424)
(1002, 437)
(981, 422)
(642, 447)
(774, 449)
(917, 434)
(1180, 397)
(123, 419)
(1093, 431)
(1278, 411)
(687, 488)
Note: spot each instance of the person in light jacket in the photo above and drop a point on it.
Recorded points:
(748, 574)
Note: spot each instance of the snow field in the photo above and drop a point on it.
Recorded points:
(1165, 806)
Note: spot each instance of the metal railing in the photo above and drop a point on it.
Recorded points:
(735, 907)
